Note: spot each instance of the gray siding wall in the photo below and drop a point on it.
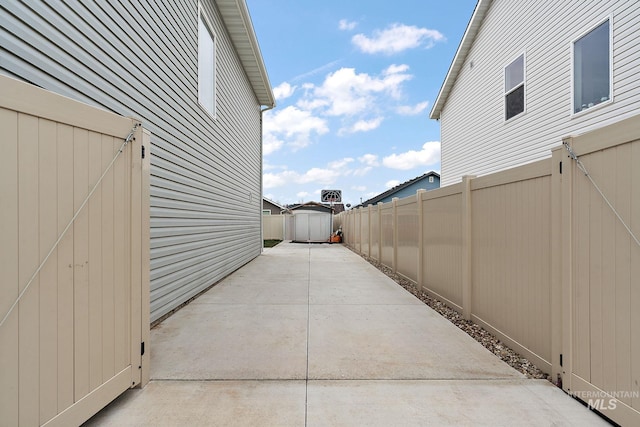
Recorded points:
(140, 59)
(412, 189)
(475, 137)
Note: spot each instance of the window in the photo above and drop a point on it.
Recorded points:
(592, 68)
(266, 212)
(206, 66)
(431, 179)
(514, 88)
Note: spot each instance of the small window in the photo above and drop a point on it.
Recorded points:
(266, 212)
(592, 68)
(206, 66)
(431, 179)
(514, 88)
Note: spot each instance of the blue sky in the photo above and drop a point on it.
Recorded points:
(354, 83)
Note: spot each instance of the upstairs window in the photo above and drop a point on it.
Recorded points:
(514, 88)
(592, 68)
(206, 66)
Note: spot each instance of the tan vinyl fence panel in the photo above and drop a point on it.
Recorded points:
(273, 227)
(365, 232)
(386, 234)
(604, 276)
(374, 237)
(72, 342)
(536, 255)
(407, 238)
(511, 258)
(442, 240)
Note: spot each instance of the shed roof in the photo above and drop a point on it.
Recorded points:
(469, 37)
(235, 15)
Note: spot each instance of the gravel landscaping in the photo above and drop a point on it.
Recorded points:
(484, 337)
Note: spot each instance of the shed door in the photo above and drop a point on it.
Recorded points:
(302, 227)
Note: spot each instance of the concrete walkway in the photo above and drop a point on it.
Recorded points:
(313, 335)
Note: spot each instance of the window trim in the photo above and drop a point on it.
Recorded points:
(572, 44)
(202, 13)
(523, 84)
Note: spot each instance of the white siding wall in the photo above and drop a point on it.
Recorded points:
(140, 59)
(475, 137)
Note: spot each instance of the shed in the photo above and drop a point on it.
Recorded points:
(312, 222)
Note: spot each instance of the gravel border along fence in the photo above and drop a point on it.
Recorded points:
(484, 337)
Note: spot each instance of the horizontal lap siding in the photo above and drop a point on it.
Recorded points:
(140, 59)
(475, 137)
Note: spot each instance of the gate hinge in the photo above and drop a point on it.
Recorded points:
(560, 359)
(142, 349)
(143, 153)
(560, 167)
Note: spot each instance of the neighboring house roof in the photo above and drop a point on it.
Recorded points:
(395, 189)
(482, 7)
(271, 202)
(235, 15)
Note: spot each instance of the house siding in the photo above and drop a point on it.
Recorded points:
(411, 190)
(475, 137)
(140, 59)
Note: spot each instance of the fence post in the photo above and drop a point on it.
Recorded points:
(394, 226)
(568, 171)
(467, 285)
(369, 230)
(359, 230)
(420, 266)
(556, 262)
(380, 204)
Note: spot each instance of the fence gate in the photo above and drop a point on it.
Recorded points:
(74, 257)
(601, 281)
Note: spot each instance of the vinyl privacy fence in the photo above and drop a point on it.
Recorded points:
(545, 256)
(74, 257)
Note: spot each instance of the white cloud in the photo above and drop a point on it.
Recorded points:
(392, 183)
(360, 188)
(344, 92)
(321, 176)
(302, 194)
(270, 144)
(347, 25)
(362, 126)
(294, 124)
(369, 159)
(362, 171)
(397, 38)
(340, 164)
(272, 180)
(429, 155)
(412, 110)
(283, 91)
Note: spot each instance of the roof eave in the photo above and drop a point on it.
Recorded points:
(460, 57)
(235, 15)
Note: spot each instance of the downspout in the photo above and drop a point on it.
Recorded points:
(262, 111)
